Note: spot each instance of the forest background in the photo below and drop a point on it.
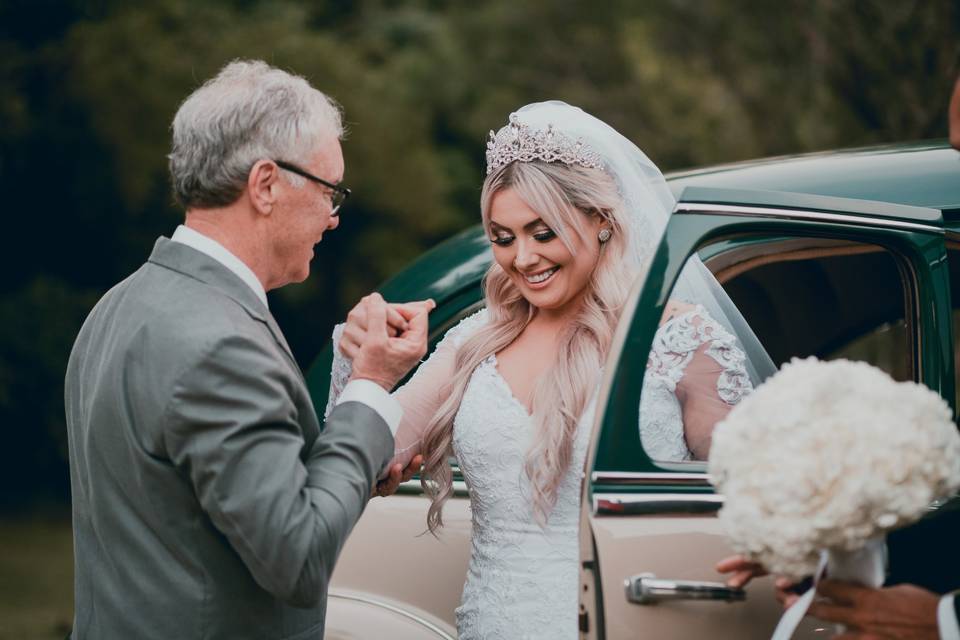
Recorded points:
(89, 88)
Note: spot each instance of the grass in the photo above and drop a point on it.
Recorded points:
(36, 577)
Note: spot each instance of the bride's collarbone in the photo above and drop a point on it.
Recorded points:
(523, 364)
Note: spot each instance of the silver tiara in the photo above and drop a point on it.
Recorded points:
(517, 141)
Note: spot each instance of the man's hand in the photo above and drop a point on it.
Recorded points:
(744, 571)
(398, 320)
(378, 356)
(903, 612)
(389, 485)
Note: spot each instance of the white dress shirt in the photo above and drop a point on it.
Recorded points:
(203, 244)
(947, 619)
(364, 391)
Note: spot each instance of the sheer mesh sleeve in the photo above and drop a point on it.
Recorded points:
(713, 381)
(695, 374)
(422, 395)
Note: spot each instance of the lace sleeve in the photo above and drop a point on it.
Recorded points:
(713, 380)
(340, 371)
(423, 394)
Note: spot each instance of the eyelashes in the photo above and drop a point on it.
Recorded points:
(540, 236)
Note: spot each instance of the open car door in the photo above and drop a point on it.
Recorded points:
(828, 277)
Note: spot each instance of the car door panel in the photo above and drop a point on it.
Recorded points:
(621, 534)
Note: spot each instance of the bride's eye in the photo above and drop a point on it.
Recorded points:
(546, 235)
(502, 241)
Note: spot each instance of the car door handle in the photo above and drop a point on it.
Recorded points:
(646, 588)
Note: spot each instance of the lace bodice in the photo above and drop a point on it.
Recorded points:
(522, 580)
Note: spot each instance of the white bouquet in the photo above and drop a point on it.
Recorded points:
(829, 456)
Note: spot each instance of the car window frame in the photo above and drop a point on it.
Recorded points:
(918, 248)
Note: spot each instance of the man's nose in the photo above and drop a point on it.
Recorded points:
(333, 222)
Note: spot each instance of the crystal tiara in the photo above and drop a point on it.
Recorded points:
(517, 141)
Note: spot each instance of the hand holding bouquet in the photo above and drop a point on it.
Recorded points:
(828, 457)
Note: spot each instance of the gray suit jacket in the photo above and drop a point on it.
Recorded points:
(206, 501)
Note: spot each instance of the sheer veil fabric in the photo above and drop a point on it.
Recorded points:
(649, 203)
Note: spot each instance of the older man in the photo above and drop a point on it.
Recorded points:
(207, 503)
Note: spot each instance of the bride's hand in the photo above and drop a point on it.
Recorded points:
(389, 485)
(399, 316)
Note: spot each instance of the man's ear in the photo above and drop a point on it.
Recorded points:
(262, 186)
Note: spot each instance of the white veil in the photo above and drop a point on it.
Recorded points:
(649, 203)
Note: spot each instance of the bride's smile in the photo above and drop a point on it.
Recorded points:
(549, 264)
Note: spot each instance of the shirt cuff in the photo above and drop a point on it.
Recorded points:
(947, 618)
(375, 397)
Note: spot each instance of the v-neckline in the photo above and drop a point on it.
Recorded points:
(506, 385)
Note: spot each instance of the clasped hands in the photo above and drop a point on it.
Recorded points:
(902, 612)
(385, 341)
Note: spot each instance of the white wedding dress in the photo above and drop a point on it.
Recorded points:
(522, 580)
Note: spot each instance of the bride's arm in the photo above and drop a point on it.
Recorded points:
(714, 380)
(700, 402)
(421, 396)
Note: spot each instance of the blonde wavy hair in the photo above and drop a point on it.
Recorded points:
(563, 196)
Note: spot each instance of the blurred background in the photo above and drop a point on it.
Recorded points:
(89, 88)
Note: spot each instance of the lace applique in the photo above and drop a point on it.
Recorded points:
(512, 557)
(340, 371)
(674, 346)
(464, 329)
(677, 340)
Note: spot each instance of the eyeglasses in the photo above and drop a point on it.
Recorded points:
(338, 194)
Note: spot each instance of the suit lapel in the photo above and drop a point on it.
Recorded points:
(198, 265)
(278, 337)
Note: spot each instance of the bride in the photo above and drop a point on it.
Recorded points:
(572, 210)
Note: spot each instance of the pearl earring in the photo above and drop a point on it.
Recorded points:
(604, 235)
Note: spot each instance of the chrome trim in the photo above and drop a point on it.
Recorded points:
(797, 214)
(633, 504)
(647, 588)
(914, 300)
(389, 607)
(650, 478)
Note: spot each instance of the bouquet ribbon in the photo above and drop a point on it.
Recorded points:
(864, 566)
(792, 616)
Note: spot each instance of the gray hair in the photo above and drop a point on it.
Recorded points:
(250, 111)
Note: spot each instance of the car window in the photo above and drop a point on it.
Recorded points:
(800, 297)
(953, 262)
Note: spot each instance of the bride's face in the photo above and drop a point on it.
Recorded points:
(547, 273)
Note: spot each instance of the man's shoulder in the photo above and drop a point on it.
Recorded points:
(183, 300)
(164, 309)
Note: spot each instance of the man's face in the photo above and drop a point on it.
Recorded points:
(302, 214)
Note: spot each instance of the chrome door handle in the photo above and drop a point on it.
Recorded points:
(646, 588)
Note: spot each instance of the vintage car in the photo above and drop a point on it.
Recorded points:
(852, 254)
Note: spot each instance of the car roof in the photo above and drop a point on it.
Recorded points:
(921, 174)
